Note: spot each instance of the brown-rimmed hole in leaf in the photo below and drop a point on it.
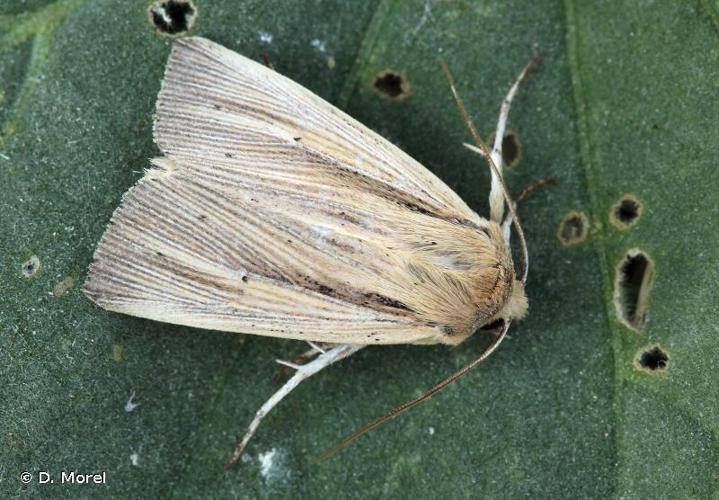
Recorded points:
(626, 211)
(172, 17)
(632, 284)
(652, 359)
(573, 228)
(391, 84)
(511, 148)
(31, 266)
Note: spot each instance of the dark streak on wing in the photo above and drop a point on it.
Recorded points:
(369, 299)
(386, 301)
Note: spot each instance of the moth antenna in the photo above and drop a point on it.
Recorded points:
(414, 402)
(495, 193)
(496, 214)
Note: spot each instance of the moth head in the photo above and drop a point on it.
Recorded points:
(516, 305)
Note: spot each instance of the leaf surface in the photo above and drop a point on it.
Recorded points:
(624, 102)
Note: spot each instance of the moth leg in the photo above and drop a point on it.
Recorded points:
(533, 186)
(316, 347)
(302, 372)
(496, 196)
(288, 364)
(298, 360)
(266, 60)
(539, 183)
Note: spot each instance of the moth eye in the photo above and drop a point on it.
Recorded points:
(493, 326)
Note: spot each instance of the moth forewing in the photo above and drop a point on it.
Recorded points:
(273, 213)
(225, 103)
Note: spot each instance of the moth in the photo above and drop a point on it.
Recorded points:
(271, 212)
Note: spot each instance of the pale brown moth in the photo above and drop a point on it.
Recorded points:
(271, 212)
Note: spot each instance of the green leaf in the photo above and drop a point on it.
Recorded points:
(624, 102)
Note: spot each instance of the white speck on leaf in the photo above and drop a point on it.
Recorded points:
(131, 405)
(135, 459)
(266, 462)
(431, 431)
(318, 44)
(272, 465)
(265, 37)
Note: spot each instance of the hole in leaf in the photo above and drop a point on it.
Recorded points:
(573, 228)
(626, 211)
(511, 148)
(652, 359)
(172, 17)
(391, 84)
(31, 266)
(633, 282)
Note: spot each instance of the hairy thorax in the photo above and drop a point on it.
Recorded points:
(460, 276)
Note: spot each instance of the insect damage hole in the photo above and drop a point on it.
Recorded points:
(633, 282)
(31, 266)
(626, 211)
(652, 359)
(172, 17)
(391, 84)
(511, 148)
(573, 228)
